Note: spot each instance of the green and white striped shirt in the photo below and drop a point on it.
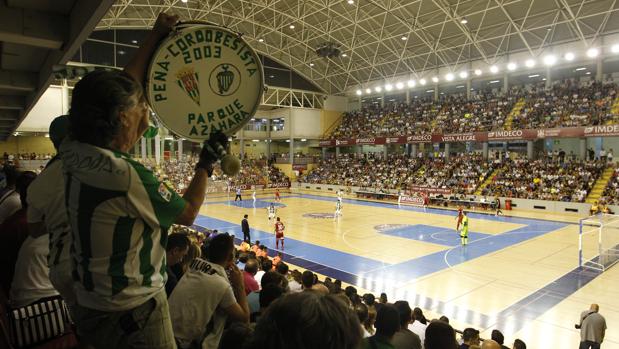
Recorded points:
(119, 215)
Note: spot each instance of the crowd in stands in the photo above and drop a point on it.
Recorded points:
(567, 103)
(610, 196)
(555, 178)
(6, 157)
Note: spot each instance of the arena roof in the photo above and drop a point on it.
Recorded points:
(386, 38)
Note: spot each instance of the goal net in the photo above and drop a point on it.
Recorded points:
(598, 242)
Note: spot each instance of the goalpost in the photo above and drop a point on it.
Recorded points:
(598, 242)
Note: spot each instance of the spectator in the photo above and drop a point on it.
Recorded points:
(405, 338)
(439, 335)
(277, 259)
(121, 254)
(387, 324)
(9, 197)
(177, 249)
(470, 338)
(235, 336)
(498, 337)
(307, 320)
(251, 268)
(519, 344)
(204, 299)
(265, 266)
(592, 327)
(490, 344)
(245, 227)
(295, 282)
(47, 215)
(419, 324)
(282, 268)
(271, 277)
(383, 298)
(309, 283)
(362, 314)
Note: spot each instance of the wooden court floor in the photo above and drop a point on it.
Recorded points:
(518, 274)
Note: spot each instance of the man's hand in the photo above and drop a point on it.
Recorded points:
(236, 279)
(209, 154)
(165, 23)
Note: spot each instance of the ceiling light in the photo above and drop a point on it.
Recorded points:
(569, 56)
(533, 76)
(544, 79)
(287, 141)
(550, 60)
(512, 66)
(134, 41)
(311, 64)
(460, 86)
(261, 40)
(464, 20)
(388, 87)
(184, 1)
(494, 81)
(378, 88)
(449, 77)
(368, 91)
(271, 76)
(464, 75)
(614, 48)
(494, 69)
(291, 26)
(411, 83)
(428, 91)
(344, 55)
(581, 68)
(121, 52)
(434, 79)
(404, 38)
(303, 140)
(478, 72)
(422, 81)
(530, 63)
(359, 92)
(255, 140)
(399, 85)
(592, 52)
(588, 73)
(350, 2)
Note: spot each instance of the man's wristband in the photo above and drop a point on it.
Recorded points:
(207, 167)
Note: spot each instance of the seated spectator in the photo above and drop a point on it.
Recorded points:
(265, 266)
(387, 324)
(419, 324)
(362, 314)
(235, 336)
(307, 320)
(256, 247)
(204, 299)
(519, 344)
(439, 335)
(498, 337)
(251, 268)
(309, 283)
(595, 209)
(271, 277)
(176, 250)
(294, 283)
(405, 338)
(277, 259)
(490, 344)
(282, 268)
(470, 338)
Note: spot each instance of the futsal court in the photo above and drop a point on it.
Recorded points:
(517, 274)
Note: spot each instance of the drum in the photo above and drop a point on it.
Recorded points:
(204, 79)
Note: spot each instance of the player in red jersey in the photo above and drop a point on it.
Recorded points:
(277, 198)
(459, 218)
(279, 233)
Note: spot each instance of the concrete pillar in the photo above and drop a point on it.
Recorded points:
(242, 143)
(548, 77)
(143, 142)
(484, 150)
(172, 154)
(66, 101)
(360, 103)
(530, 150)
(382, 100)
(269, 139)
(180, 149)
(385, 151)
(149, 148)
(436, 92)
(324, 152)
(157, 149)
(414, 150)
(359, 149)
(583, 149)
(291, 155)
(408, 96)
(505, 82)
(599, 71)
(468, 89)
(447, 150)
(337, 151)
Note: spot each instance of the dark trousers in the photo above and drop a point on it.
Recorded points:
(589, 345)
(238, 197)
(246, 236)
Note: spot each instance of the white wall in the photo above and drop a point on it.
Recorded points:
(48, 107)
(306, 123)
(336, 103)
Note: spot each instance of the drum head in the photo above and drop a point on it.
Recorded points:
(204, 79)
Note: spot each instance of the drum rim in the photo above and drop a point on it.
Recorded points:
(193, 25)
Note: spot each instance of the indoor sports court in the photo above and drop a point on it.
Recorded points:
(518, 274)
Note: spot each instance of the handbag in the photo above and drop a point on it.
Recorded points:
(39, 322)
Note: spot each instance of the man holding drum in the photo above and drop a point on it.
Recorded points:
(119, 212)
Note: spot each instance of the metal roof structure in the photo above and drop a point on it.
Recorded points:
(381, 39)
(34, 36)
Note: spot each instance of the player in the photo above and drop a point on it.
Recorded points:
(340, 195)
(497, 204)
(238, 194)
(338, 209)
(399, 197)
(464, 234)
(426, 201)
(271, 210)
(277, 198)
(279, 233)
(253, 195)
(459, 219)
